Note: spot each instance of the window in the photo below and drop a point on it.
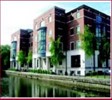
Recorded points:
(78, 14)
(98, 31)
(49, 45)
(51, 66)
(71, 31)
(71, 18)
(75, 61)
(36, 38)
(72, 73)
(35, 50)
(50, 32)
(78, 72)
(72, 45)
(42, 24)
(35, 62)
(15, 38)
(50, 19)
(60, 63)
(104, 30)
(78, 44)
(78, 29)
(60, 28)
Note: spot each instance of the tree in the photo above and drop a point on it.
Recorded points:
(56, 52)
(29, 58)
(87, 39)
(88, 43)
(5, 56)
(104, 50)
(21, 58)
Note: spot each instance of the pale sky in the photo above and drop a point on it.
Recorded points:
(17, 15)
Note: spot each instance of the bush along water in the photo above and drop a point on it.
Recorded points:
(40, 71)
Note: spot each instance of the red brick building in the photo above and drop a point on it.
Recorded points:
(57, 23)
(20, 40)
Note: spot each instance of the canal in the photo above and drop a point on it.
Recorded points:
(13, 86)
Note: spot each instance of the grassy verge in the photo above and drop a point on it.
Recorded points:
(100, 76)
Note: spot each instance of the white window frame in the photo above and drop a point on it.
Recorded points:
(77, 16)
(77, 32)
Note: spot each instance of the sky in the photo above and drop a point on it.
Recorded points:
(17, 15)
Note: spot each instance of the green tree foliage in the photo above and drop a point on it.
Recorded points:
(56, 52)
(29, 58)
(21, 58)
(104, 49)
(87, 41)
(5, 56)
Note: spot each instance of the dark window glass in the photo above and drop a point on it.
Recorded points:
(78, 72)
(60, 63)
(75, 61)
(71, 18)
(72, 46)
(72, 31)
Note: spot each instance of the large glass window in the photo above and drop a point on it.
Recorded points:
(75, 61)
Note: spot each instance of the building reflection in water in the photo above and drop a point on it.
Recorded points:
(22, 87)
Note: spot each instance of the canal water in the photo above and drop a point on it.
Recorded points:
(13, 86)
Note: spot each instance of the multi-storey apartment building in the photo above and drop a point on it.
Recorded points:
(98, 23)
(20, 40)
(57, 23)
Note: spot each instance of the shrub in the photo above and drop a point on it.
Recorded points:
(94, 73)
(13, 69)
(40, 71)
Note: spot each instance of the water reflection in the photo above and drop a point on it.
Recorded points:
(23, 87)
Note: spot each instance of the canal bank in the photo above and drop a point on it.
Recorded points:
(72, 82)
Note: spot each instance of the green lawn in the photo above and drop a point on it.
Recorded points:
(100, 76)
